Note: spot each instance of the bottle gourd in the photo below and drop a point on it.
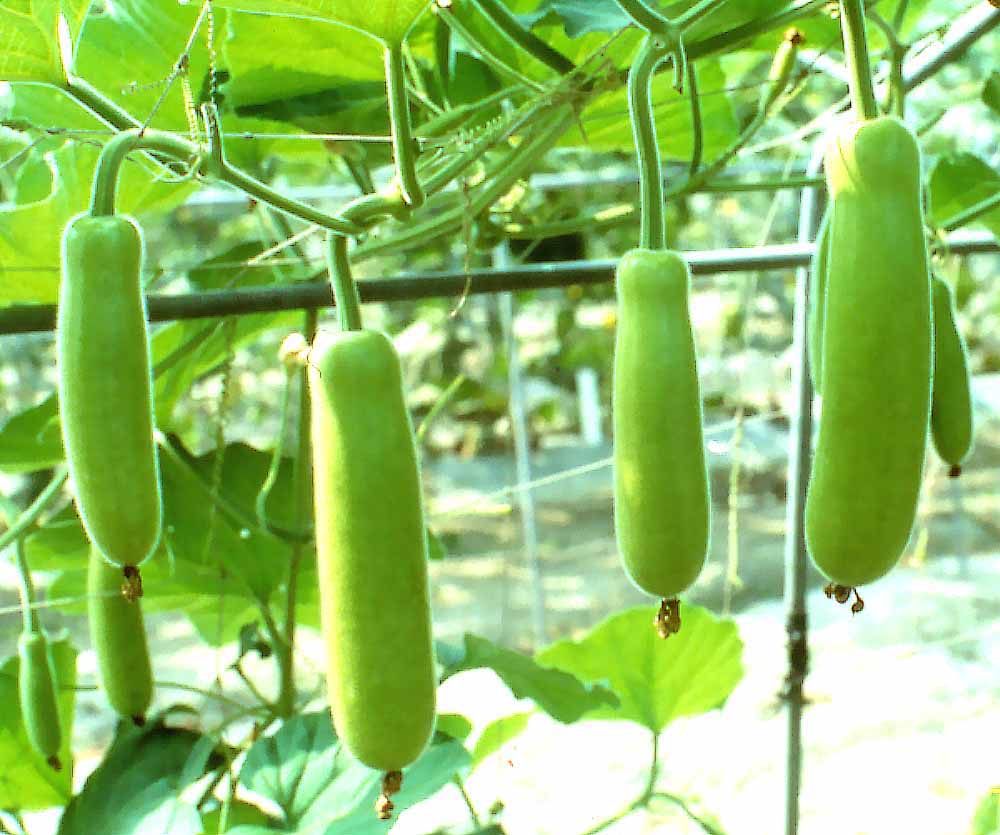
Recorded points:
(37, 696)
(118, 635)
(876, 356)
(105, 390)
(661, 496)
(371, 551)
(951, 405)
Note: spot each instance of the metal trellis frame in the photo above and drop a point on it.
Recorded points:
(411, 286)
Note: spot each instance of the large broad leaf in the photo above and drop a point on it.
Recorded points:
(498, 733)
(322, 790)
(28, 782)
(264, 69)
(605, 124)
(960, 181)
(52, 186)
(657, 681)
(29, 38)
(561, 695)
(137, 788)
(211, 566)
(387, 20)
(31, 440)
(986, 820)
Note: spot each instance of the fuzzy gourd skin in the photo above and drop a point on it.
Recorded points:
(951, 405)
(118, 635)
(37, 693)
(662, 507)
(876, 356)
(817, 300)
(105, 399)
(371, 551)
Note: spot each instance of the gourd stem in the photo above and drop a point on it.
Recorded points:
(113, 154)
(220, 167)
(100, 105)
(697, 129)
(652, 234)
(505, 22)
(498, 181)
(973, 213)
(852, 19)
(28, 518)
(27, 589)
(403, 149)
(644, 16)
(345, 291)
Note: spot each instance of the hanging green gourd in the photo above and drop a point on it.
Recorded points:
(662, 507)
(876, 344)
(36, 675)
(951, 403)
(118, 635)
(372, 565)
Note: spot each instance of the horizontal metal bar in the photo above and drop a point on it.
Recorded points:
(411, 286)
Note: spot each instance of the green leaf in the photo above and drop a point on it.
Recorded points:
(29, 41)
(130, 52)
(960, 181)
(320, 788)
(57, 183)
(497, 734)
(263, 69)
(28, 782)
(387, 20)
(657, 681)
(138, 786)
(202, 536)
(559, 694)
(991, 92)
(241, 813)
(605, 123)
(454, 725)
(987, 818)
(579, 18)
(31, 440)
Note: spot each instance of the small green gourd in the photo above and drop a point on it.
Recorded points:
(951, 406)
(118, 635)
(37, 696)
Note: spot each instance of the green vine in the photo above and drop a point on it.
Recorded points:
(403, 146)
(852, 19)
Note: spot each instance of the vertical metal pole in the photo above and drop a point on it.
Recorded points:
(799, 457)
(522, 459)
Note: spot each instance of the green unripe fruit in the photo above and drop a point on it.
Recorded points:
(876, 356)
(37, 696)
(951, 405)
(371, 551)
(662, 506)
(105, 399)
(118, 635)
